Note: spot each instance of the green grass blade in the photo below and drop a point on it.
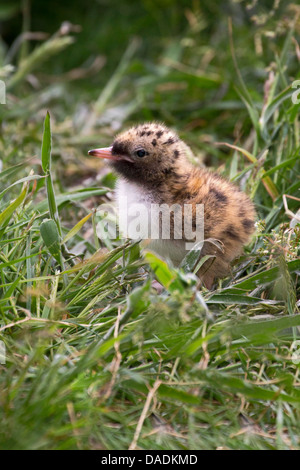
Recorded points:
(46, 145)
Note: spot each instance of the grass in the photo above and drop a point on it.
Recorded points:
(95, 357)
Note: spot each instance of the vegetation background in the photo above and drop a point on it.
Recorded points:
(95, 358)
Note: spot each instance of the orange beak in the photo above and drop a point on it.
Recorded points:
(106, 153)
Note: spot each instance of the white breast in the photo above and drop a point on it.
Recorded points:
(134, 208)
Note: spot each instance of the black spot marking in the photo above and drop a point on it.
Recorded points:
(176, 153)
(167, 171)
(231, 232)
(170, 141)
(193, 194)
(242, 212)
(142, 133)
(149, 132)
(218, 195)
(159, 134)
(181, 195)
(154, 142)
(248, 225)
(119, 148)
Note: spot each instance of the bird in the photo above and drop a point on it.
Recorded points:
(154, 167)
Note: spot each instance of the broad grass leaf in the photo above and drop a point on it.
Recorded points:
(46, 145)
(165, 275)
(76, 228)
(80, 195)
(5, 216)
(51, 238)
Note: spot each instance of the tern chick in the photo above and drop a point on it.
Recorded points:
(154, 168)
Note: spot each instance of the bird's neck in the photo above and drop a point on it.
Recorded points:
(175, 185)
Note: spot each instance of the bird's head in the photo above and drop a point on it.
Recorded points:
(147, 154)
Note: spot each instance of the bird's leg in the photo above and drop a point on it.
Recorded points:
(215, 267)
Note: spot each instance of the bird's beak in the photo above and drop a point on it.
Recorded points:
(103, 153)
(106, 153)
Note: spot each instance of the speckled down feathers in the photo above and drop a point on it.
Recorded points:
(170, 178)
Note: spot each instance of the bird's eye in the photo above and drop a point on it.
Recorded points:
(141, 153)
